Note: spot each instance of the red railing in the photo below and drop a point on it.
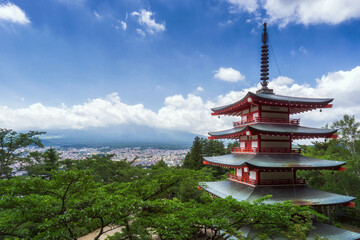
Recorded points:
(244, 149)
(233, 177)
(265, 150)
(268, 120)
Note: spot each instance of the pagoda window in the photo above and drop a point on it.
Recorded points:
(255, 115)
(252, 175)
(242, 144)
(245, 111)
(244, 118)
(254, 144)
(243, 138)
(238, 172)
(253, 109)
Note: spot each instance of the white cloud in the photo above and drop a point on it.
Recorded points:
(283, 12)
(226, 23)
(188, 113)
(97, 15)
(228, 74)
(140, 32)
(312, 12)
(12, 13)
(199, 89)
(144, 19)
(247, 5)
(123, 25)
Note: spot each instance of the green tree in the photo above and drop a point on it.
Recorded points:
(106, 171)
(345, 148)
(231, 145)
(194, 159)
(10, 142)
(71, 204)
(43, 163)
(38, 208)
(348, 131)
(212, 147)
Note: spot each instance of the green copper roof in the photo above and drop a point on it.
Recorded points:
(279, 98)
(320, 230)
(300, 195)
(275, 128)
(330, 232)
(274, 161)
(292, 99)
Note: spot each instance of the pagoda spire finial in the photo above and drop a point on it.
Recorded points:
(264, 63)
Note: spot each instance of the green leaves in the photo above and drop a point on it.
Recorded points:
(10, 141)
(164, 202)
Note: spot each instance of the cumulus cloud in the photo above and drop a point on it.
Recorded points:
(145, 19)
(179, 112)
(188, 113)
(312, 12)
(244, 5)
(12, 13)
(229, 75)
(306, 12)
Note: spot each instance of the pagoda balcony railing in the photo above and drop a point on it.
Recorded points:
(268, 120)
(265, 150)
(244, 149)
(233, 177)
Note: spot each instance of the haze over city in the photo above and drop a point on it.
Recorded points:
(80, 64)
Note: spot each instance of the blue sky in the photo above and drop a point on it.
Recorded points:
(163, 64)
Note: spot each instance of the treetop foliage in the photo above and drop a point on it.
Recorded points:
(10, 142)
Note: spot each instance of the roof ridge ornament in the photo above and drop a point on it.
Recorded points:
(265, 63)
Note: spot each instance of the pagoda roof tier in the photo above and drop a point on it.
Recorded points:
(297, 132)
(296, 104)
(272, 161)
(298, 194)
(331, 232)
(321, 230)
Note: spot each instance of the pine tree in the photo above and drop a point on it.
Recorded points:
(194, 159)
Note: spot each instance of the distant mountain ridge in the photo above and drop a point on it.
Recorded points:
(124, 136)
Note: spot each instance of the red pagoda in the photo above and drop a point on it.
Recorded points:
(265, 161)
